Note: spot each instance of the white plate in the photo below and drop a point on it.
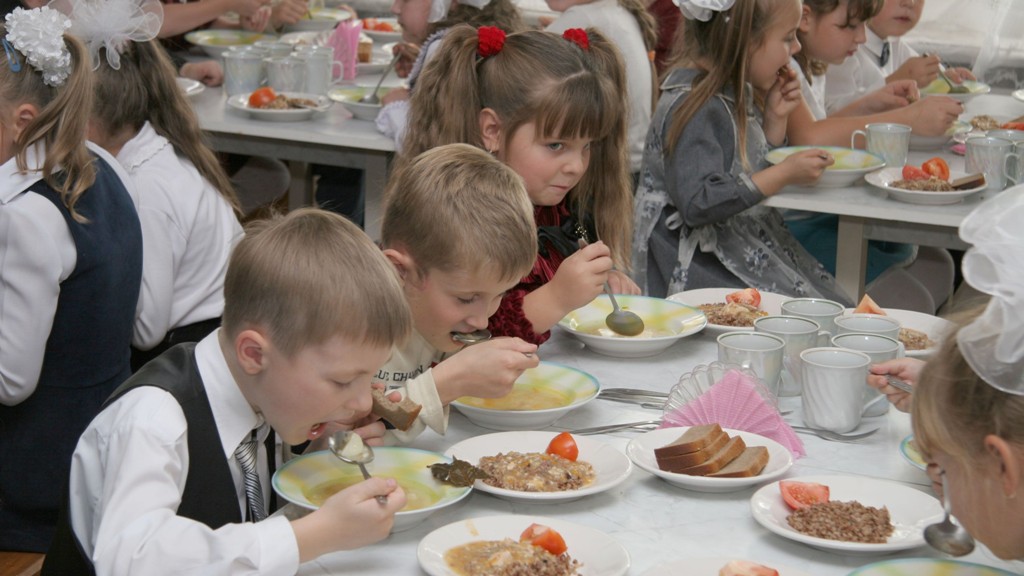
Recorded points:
(611, 467)
(936, 328)
(850, 164)
(304, 38)
(216, 42)
(1019, 94)
(665, 323)
(909, 509)
(770, 303)
(886, 176)
(709, 567)
(911, 454)
(379, 60)
(380, 37)
(189, 86)
(599, 553)
(641, 451)
(241, 102)
(938, 87)
(927, 567)
(577, 385)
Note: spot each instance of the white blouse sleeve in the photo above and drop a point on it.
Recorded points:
(37, 253)
(162, 244)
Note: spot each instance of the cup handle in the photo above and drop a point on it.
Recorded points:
(853, 138)
(901, 352)
(1011, 164)
(824, 339)
(336, 75)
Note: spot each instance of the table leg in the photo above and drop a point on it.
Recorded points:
(374, 181)
(851, 256)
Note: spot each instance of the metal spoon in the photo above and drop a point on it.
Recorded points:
(898, 384)
(337, 442)
(474, 337)
(622, 321)
(954, 88)
(372, 97)
(946, 536)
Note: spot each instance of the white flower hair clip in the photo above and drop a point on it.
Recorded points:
(112, 24)
(702, 10)
(439, 8)
(39, 35)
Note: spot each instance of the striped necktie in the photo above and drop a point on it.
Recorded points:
(246, 456)
(884, 58)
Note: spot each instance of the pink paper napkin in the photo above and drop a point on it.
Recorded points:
(345, 41)
(733, 402)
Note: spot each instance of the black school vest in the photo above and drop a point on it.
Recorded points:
(209, 496)
(86, 357)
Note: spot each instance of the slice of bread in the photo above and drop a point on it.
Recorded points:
(694, 439)
(673, 463)
(749, 463)
(400, 414)
(732, 449)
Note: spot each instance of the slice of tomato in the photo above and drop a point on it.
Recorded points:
(936, 167)
(261, 97)
(748, 296)
(1013, 126)
(746, 568)
(564, 445)
(911, 172)
(801, 494)
(545, 537)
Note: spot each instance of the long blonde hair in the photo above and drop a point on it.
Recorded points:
(60, 125)
(542, 78)
(503, 14)
(144, 90)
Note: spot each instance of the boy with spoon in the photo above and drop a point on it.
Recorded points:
(458, 226)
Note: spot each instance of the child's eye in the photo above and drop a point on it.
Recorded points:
(467, 300)
(556, 146)
(342, 384)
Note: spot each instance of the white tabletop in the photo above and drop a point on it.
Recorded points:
(657, 522)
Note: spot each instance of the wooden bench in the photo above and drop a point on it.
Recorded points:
(20, 563)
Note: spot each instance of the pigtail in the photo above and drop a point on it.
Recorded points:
(503, 14)
(446, 103)
(61, 125)
(144, 90)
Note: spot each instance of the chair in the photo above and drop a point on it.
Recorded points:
(21, 563)
(923, 286)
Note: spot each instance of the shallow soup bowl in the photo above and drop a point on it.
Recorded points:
(665, 322)
(308, 480)
(850, 164)
(539, 397)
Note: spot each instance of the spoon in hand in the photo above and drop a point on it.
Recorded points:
(622, 321)
(372, 98)
(946, 536)
(349, 448)
(474, 337)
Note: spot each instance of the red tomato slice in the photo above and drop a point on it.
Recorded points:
(545, 537)
(1013, 126)
(261, 97)
(748, 296)
(745, 568)
(801, 494)
(936, 167)
(911, 172)
(564, 445)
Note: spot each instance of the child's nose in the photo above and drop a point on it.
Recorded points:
(394, 7)
(361, 403)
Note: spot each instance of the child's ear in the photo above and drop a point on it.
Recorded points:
(490, 130)
(251, 350)
(23, 114)
(805, 19)
(1009, 464)
(402, 261)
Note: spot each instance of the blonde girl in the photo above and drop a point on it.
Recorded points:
(187, 205)
(632, 29)
(72, 258)
(699, 219)
(551, 108)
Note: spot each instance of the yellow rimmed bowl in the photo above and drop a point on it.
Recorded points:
(850, 164)
(665, 323)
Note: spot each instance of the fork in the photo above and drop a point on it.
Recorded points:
(833, 436)
(642, 425)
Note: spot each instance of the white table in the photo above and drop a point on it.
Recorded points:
(657, 522)
(866, 213)
(331, 138)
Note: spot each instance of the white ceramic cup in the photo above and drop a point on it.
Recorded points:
(274, 49)
(287, 74)
(320, 67)
(760, 352)
(880, 349)
(822, 311)
(990, 156)
(833, 381)
(890, 141)
(799, 334)
(243, 71)
(870, 323)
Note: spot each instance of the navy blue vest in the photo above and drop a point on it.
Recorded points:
(209, 495)
(86, 358)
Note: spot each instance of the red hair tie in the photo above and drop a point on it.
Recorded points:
(577, 36)
(490, 41)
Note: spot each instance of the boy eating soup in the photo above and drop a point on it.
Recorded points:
(173, 475)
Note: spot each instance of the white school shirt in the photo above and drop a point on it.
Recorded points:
(409, 370)
(861, 73)
(619, 26)
(128, 474)
(188, 230)
(813, 90)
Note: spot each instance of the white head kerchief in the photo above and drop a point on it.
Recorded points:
(993, 344)
(39, 35)
(439, 8)
(112, 24)
(702, 10)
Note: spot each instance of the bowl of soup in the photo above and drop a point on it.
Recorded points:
(309, 480)
(665, 323)
(539, 397)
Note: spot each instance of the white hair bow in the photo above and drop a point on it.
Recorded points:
(439, 8)
(702, 9)
(39, 35)
(112, 24)
(993, 344)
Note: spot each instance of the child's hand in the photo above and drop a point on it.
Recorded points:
(288, 12)
(208, 72)
(906, 369)
(959, 74)
(921, 69)
(349, 519)
(933, 115)
(257, 22)
(395, 95)
(581, 276)
(806, 166)
(782, 98)
(622, 284)
(409, 52)
(484, 370)
(246, 7)
(893, 95)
